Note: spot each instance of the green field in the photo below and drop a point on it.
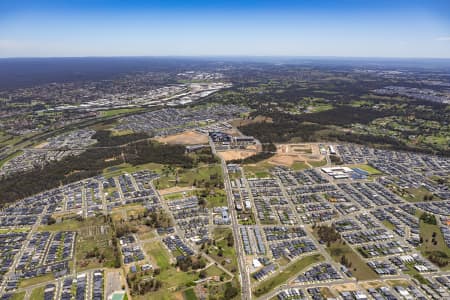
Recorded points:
(219, 198)
(299, 165)
(439, 248)
(157, 251)
(359, 268)
(36, 280)
(388, 225)
(316, 164)
(15, 230)
(38, 293)
(219, 235)
(320, 107)
(282, 277)
(369, 169)
(86, 244)
(170, 277)
(21, 296)
(259, 170)
(72, 224)
(199, 177)
(189, 294)
(417, 194)
(216, 271)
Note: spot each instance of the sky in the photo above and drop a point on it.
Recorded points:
(347, 28)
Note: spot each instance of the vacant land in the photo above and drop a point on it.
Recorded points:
(227, 255)
(38, 293)
(158, 254)
(185, 138)
(93, 248)
(236, 154)
(290, 154)
(434, 246)
(357, 266)
(205, 175)
(36, 280)
(189, 294)
(260, 170)
(290, 271)
(418, 194)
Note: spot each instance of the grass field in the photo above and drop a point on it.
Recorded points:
(417, 194)
(36, 280)
(290, 271)
(170, 277)
(180, 195)
(161, 294)
(187, 178)
(320, 107)
(317, 164)
(159, 254)
(428, 247)
(388, 225)
(219, 235)
(15, 230)
(87, 244)
(89, 236)
(215, 271)
(299, 165)
(72, 224)
(219, 198)
(189, 294)
(21, 296)
(38, 293)
(358, 267)
(260, 170)
(369, 169)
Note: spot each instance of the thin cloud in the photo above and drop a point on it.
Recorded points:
(443, 38)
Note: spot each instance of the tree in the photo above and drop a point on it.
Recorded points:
(230, 291)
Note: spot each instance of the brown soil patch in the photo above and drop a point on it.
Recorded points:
(175, 189)
(372, 284)
(184, 138)
(345, 287)
(287, 154)
(235, 154)
(41, 145)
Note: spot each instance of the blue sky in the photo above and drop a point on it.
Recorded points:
(351, 28)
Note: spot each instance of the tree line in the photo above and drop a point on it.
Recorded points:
(90, 163)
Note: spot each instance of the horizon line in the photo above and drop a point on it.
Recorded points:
(233, 56)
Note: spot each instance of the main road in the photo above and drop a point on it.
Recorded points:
(246, 289)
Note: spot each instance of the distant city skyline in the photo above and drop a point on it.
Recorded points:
(348, 28)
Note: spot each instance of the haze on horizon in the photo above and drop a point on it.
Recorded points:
(348, 28)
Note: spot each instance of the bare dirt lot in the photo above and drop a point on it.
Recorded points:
(345, 287)
(236, 154)
(175, 189)
(185, 138)
(287, 154)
